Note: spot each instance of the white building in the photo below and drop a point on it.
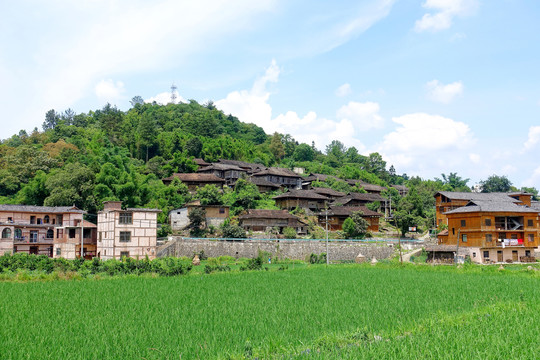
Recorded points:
(130, 232)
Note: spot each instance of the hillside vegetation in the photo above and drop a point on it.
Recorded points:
(107, 154)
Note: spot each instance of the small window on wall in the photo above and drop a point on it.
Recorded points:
(126, 218)
(453, 231)
(6, 233)
(58, 251)
(488, 222)
(486, 254)
(530, 223)
(125, 236)
(530, 237)
(464, 238)
(463, 223)
(46, 219)
(222, 210)
(124, 254)
(489, 237)
(72, 233)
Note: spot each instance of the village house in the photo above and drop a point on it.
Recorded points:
(195, 180)
(215, 215)
(280, 176)
(249, 168)
(264, 185)
(305, 199)
(338, 214)
(54, 231)
(265, 220)
(329, 193)
(229, 173)
(402, 189)
(369, 188)
(126, 233)
(490, 227)
(359, 199)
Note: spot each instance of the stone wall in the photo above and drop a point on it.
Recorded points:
(178, 246)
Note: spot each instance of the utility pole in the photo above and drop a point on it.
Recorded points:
(82, 238)
(326, 213)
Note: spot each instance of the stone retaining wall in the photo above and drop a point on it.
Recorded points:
(285, 249)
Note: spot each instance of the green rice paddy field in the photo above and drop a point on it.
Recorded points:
(312, 312)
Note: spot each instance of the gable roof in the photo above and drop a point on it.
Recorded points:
(348, 210)
(194, 177)
(328, 192)
(252, 167)
(366, 197)
(42, 209)
(492, 206)
(259, 181)
(319, 177)
(301, 194)
(221, 167)
(365, 185)
(268, 214)
(495, 196)
(275, 171)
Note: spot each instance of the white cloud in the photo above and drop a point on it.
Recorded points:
(441, 93)
(533, 180)
(425, 143)
(533, 138)
(444, 13)
(364, 116)
(475, 158)
(164, 98)
(343, 90)
(252, 106)
(110, 91)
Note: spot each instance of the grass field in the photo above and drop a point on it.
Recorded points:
(309, 312)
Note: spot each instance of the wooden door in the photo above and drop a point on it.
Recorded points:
(515, 256)
(499, 256)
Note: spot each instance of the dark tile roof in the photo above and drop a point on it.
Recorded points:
(348, 210)
(221, 167)
(400, 187)
(492, 206)
(367, 197)
(319, 177)
(201, 162)
(41, 209)
(328, 192)
(301, 194)
(367, 186)
(274, 171)
(194, 177)
(500, 197)
(245, 165)
(267, 214)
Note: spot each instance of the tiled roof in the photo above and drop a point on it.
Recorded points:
(301, 194)
(496, 196)
(194, 177)
(263, 182)
(348, 210)
(267, 214)
(319, 177)
(222, 167)
(328, 192)
(365, 185)
(277, 172)
(492, 206)
(367, 197)
(201, 162)
(41, 209)
(400, 187)
(243, 164)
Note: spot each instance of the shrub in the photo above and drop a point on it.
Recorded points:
(234, 232)
(289, 233)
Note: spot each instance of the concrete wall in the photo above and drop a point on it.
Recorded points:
(290, 249)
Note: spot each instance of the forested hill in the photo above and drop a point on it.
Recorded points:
(108, 154)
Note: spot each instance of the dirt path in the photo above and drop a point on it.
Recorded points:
(407, 256)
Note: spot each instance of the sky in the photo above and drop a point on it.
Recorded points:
(434, 86)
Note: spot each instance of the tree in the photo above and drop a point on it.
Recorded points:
(303, 152)
(51, 120)
(355, 226)
(72, 185)
(496, 183)
(336, 148)
(136, 100)
(146, 132)
(276, 146)
(209, 195)
(405, 220)
(453, 182)
(197, 219)
(234, 232)
(194, 146)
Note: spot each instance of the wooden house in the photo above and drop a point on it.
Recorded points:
(264, 185)
(280, 176)
(305, 199)
(249, 168)
(492, 228)
(229, 173)
(358, 199)
(195, 180)
(369, 188)
(264, 220)
(54, 231)
(128, 232)
(329, 193)
(338, 214)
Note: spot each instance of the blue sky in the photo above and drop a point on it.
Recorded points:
(435, 86)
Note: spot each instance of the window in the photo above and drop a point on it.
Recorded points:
(72, 233)
(50, 234)
(222, 210)
(530, 223)
(488, 222)
(463, 223)
(530, 237)
(486, 254)
(514, 236)
(473, 254)
(10, 219)
(124, 254)
(39, 221)
(453, 231)
(489, 237)
(58, 251)
(100, 235)
(6, 233)
(18, 234)
(32, 219)
(46, 219)
(464, 238)
(33, 236)
(527, 253)
(125, 218)
(125, 236)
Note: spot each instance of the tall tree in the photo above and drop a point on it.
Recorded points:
(51, 120)
(276, 146)
(496, 183)
(453, 182)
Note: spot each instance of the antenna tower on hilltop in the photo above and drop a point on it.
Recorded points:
(173, 93)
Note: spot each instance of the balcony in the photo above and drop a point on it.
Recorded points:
(33, 240)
